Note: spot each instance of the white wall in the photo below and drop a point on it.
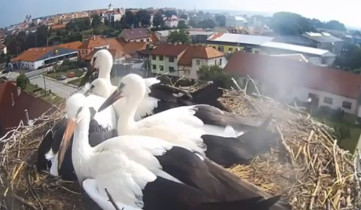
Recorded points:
(193, 70)
(302, 94)
(166, 64)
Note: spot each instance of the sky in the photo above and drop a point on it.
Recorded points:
(349, 13)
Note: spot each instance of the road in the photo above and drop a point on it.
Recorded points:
(57, 87)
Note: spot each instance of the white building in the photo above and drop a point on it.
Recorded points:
(172, 22)
(35, 58)
(287, 80)
(184, 60)
(3, 49)
(236, 21)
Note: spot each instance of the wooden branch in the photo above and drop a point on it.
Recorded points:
(289, 150)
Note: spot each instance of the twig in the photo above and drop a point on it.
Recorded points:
(289, 150)
(314, 194)
(236, 84)
(23, 201)
(111, 199)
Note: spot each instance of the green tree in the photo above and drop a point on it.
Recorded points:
(335, 25)
(170, 13)
(182, 25)
(143, 18)
(158, 20)
(286, 23)
(221, 20)
(129, 19)
(184, 16)
(22, 81)
(42, 35)
(193, 23)
(96, 21)
(350, 58)
(177, 36)
(216, 74)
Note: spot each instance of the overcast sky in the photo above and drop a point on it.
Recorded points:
(346, 11)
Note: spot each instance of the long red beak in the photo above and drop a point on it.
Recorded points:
(69, 130)
(116, 95)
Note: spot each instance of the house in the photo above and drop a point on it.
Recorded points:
(236, 21)
(136, 35)
(3, 49)
(2, 37)
(58, 27)
(183, 60)
(229, 43)
(119, 48)
(17, 105)
(313, 55)
(196, 36)
(287, 80)
(171, 22)
(113, 15)
(324, 41)
(36, 58)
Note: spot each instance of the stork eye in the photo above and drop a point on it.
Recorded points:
(121, 86)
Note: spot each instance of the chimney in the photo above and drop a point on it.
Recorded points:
(12, 99)
(19, 91)
(27, 116)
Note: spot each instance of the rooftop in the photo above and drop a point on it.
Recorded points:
(297, 48)
(94, 41)
(321, 37)
(135, 33)
(298, 74)
(201, 52)
(240, 38)
(72, 45)
(35, 54)
(169, 49)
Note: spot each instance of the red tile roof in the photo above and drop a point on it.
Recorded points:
(72, 45)
(201, 52)
(58, 27)
(135, 33)
(32, 54)
(169, 49)
(290, 73)
(10, 116)
(95, 41)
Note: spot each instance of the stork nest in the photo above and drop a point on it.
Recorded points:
(306, 167)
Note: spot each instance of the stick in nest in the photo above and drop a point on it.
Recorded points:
(112, 200)
(289, 150)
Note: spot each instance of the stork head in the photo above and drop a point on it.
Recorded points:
(130, 86)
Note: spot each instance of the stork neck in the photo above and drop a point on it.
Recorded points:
(104, 72)
(126, 111)
(81, 150)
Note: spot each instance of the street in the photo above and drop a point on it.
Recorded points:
(59, 88)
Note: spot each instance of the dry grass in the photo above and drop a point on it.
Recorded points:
(306, 167)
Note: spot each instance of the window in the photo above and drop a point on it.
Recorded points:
(327, 100)
(161, 57)
(171, 69)
(215, 62)
(198, 62)
(187, 72)
(154, 57)
(220, 62)
(230, 49)
(171, 59)
(256, 52)
(346, 105)
(154, 67)
(161, 67)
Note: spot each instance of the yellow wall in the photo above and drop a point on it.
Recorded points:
(227, 48)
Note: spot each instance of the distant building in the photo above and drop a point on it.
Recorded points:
(196, 36)
(113, 15)
(136, 35)
(313, 55)
(325, 41)
(2, 37)
(229, 43)
(287, 80)
(184, 60)
(236, 21)
(35, 58)
(3, 49)
(172, 22)
(58, 27)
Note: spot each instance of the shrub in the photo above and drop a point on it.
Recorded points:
(22, 81)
